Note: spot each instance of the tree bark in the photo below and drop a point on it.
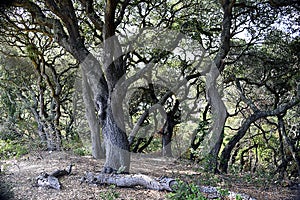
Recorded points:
(161, 184)
(167, 132)
(166, 142)
(110, 114)
(219, 111)
(103, 87)
(93, 122)
(126, 180)
(116, 146)
(289, 143)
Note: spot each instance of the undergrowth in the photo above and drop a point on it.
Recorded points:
(186, 191)
(12, 148)
(111, 194)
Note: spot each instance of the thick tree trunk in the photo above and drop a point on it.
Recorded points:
(167, 147)
(41, 132)
(110, 115)
(213, 160)
(166, 141)
(42, 115)
(161, 184)
(219, 112)
(93, 122)
(288, 141)
(110, 105)
(173, 118)
(116, 145)
(66, 32)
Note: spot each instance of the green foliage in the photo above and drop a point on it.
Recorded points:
(267, 65)
(201, 133)
(154, 146)
(186, 191)
(32, 51)
(206, 162)
(81, 151)
(76, 146)
(9, 149)
(111, 194)
(238, 197)
(223, 192)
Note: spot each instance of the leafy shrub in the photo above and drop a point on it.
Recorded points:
(9, 149)
(77, 147)
(186, 191)
(238, 197)
(81, 151)
(223, 192)
(111, 194)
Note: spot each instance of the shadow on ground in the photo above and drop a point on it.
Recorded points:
(5, 190)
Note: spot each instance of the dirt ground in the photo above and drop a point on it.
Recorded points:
(20, 174)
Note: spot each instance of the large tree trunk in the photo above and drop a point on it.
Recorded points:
(219, 112)
(66, 32)
(45, 127)
(173, 118)
(110, 107)
(288, 141)
(214, 152)
(166, 142)
(116, 145)
(93, 122)
(108, 100)
(161, 184)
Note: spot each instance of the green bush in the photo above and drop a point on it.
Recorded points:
(238, 197)
(223, 192)
(81, 151)
(10, 149)
(77, 147)
(111, 194)
(186, 191)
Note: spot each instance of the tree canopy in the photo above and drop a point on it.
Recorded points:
(216, 80)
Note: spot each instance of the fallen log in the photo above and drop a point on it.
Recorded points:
(51, 180)
(163, 183)
(130, 180)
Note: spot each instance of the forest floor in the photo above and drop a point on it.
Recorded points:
(20, 175)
